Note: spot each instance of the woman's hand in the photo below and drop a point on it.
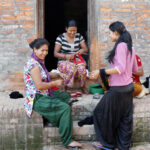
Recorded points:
(94, 75)
(58, 82)
(69, 56)
(81, 51)
(54, 75)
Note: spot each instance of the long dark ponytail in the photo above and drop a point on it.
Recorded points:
(124, 37)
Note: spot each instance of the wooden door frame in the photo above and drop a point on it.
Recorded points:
(40, 18)
(40, 6)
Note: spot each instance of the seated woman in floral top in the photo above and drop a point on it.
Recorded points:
(39, 96)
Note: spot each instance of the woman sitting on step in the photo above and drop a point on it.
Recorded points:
(66, 46)
(53, 105)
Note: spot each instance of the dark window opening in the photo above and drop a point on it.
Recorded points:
(57, 12)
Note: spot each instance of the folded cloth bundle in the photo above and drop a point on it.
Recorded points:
(77, 94)
(72, 101)
(15, 95)
(86, 121)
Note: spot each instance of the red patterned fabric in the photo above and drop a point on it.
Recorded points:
(137, 78)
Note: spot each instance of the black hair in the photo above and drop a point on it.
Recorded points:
(71, 23)
(124, 37)
(37, 43)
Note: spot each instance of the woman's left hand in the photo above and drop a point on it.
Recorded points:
(58, 82)
(80, 52)
(94, 75)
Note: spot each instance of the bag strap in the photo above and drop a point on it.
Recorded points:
(80, 57)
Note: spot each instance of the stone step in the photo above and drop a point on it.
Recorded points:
(84, 107)
(84, 133)
(86, 146)
(17, 130)
(89, 146)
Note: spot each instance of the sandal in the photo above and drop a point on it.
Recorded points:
(73, 95)
(72, 148)
(99, 145)
(96, 96)
(79, 94)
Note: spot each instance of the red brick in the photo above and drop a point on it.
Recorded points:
(106, 9)
(23, 50)
(123, 10)
(7, 32)
(20, 3)
(130, 23)
(29, 22)
(28, 12)
(146, 11)
(9, 17)
(29, 40)
(141, 24)
(26, 7)
(28, 26)
(107, 18)
(9, 8)
(142, 17)
(128, 5)
(5, 4)
(142, 6)
(147, 28)
(20, 17)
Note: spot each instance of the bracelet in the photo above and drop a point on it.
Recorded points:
(64, 56)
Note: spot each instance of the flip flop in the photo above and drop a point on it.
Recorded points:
(78, 94)
(96, 96)
(102, 147)
(73, 95)
(72, 147)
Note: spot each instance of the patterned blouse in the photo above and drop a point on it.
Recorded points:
(30, 88)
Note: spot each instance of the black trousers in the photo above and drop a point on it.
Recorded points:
(113, 117)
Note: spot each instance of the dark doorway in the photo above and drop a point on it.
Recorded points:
(57, 12)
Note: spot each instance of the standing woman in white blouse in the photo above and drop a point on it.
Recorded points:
(66, 45)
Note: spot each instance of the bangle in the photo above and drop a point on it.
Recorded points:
(65, 56)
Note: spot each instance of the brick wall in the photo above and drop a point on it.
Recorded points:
(17, 28)
(134, 13)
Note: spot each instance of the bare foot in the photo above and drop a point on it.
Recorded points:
(75, 144)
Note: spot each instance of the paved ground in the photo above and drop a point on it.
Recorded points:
(6, 102)
(88, 146)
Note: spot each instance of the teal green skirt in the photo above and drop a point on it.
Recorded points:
(57, 111)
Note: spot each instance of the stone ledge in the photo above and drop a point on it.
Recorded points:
(88, 146)
(14, 121)
(87, 130)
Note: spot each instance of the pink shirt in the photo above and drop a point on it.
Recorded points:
(125, 63)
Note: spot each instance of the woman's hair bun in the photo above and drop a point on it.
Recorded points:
(32, 43)
(37, 43)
